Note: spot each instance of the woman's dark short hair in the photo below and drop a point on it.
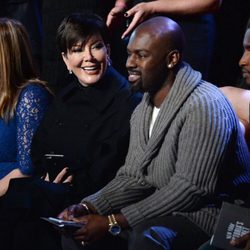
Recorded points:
(80, 27)
(248, 24)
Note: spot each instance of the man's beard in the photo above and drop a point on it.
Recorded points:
(241, 83)
(136, 87)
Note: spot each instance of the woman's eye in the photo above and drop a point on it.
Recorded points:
(98, 46)
(76, 50)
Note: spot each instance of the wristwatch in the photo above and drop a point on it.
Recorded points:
(114, 227)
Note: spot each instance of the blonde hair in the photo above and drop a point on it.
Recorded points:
(16, 65)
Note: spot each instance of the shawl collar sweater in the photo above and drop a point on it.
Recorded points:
(195, 154)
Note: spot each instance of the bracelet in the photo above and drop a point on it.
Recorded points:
(86, 207)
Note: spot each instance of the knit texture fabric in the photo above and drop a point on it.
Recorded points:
(195, 157)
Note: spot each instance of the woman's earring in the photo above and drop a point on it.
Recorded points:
(70, 71)
(170, 66)
(108, 61)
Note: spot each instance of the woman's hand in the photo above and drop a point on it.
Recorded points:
(139, 13)
(60, 177)
(241, 242)
(143, 11)
(116, 15)
(4, 182)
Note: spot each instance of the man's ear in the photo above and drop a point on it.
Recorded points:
(173, 58)
(66, 61)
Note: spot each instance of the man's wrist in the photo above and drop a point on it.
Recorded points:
(114, 227)
(88, 207)
(85, 207)
(121, 220)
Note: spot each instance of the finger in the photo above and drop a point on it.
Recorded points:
(116, 11)
(69, 179)
(80, 232)
(47, 177)
(63, 215)
(60, 176)
(131, 26)
(81, 219)
(241, 242)
(131, 12)
(80, 238)
(67, 213)
(140, 7)
(76, 211)
(110, 18)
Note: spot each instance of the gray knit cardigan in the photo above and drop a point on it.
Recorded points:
(195, 154)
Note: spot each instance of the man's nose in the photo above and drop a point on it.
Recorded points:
(131, 62)
(245, 59)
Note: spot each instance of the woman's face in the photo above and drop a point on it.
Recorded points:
(88, 61)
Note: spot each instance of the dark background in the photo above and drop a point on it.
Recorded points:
(42, 17)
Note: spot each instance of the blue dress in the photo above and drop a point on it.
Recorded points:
(16, 135)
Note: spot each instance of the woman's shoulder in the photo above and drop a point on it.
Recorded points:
(32, 94)
(34, 88)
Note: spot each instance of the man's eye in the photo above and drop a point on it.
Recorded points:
(142, 56)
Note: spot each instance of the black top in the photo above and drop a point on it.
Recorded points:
(90, 127)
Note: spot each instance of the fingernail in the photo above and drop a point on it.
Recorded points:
(126, 14)
(127, 22)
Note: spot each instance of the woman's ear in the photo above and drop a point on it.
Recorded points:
(66, 61)
(173, 58)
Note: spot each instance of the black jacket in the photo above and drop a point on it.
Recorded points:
(90, 127)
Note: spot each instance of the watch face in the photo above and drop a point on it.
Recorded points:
(115, 229)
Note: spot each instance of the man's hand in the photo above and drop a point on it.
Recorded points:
(241, 242)
(73, 212)
(95, 228)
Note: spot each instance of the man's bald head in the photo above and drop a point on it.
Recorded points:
(154, 54)
(244, 62)
(166, 30)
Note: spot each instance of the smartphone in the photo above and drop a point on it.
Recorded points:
(63, 224)
(55, 163)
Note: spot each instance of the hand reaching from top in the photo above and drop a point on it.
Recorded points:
(139, 12)
(116, 15)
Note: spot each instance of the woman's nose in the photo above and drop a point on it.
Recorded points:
(87, 55)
